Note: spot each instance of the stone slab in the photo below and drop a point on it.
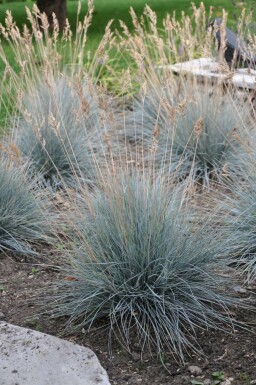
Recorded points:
(28, 357)
(244, 78)
(208, 68)
(201, 64)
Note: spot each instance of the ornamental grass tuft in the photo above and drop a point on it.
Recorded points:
(60, 121)
(140, 263)
(50, 80)
(238, 213)
(189, 130)
(24, 210)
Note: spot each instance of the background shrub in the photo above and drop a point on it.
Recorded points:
(57, 129)
(190, 130)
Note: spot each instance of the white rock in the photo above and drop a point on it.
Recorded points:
(28, 357)
(203, 63)
(245, 78)
(208, 68)
(195, 370)
(239, 289)
(2, 316)
(226, 382)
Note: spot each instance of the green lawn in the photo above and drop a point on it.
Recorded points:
(116, 10)
(119, 10)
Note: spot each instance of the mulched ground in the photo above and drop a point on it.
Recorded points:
(233, 354)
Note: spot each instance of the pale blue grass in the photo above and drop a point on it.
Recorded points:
(57, 131)
(139, 263)
(25, 218)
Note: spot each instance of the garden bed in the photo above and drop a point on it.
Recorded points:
(22, 283)
(121, 198)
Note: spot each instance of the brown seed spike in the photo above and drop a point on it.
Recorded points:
(14, 151)
(156, 131)
(70, 278)
(198, 128)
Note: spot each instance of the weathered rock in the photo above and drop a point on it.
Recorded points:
(2, 316)
(195, 370)
(228, 381)
(136, 356)
(209, 69)
(239, 289)
(245, 79)
(28, 357)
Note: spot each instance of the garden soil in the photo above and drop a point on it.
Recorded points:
(232, 356)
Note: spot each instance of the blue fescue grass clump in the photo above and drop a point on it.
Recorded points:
(60, 120)
(205, 138)
(140, 263)
(23, 210)
(238, 210)
(189, 131)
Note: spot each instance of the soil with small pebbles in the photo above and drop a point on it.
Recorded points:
(234, 354)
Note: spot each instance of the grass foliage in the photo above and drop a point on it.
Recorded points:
(191, 131)
(142, 265)
(238, 210)
(139, 257)
(23, 210)
(56, 130)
